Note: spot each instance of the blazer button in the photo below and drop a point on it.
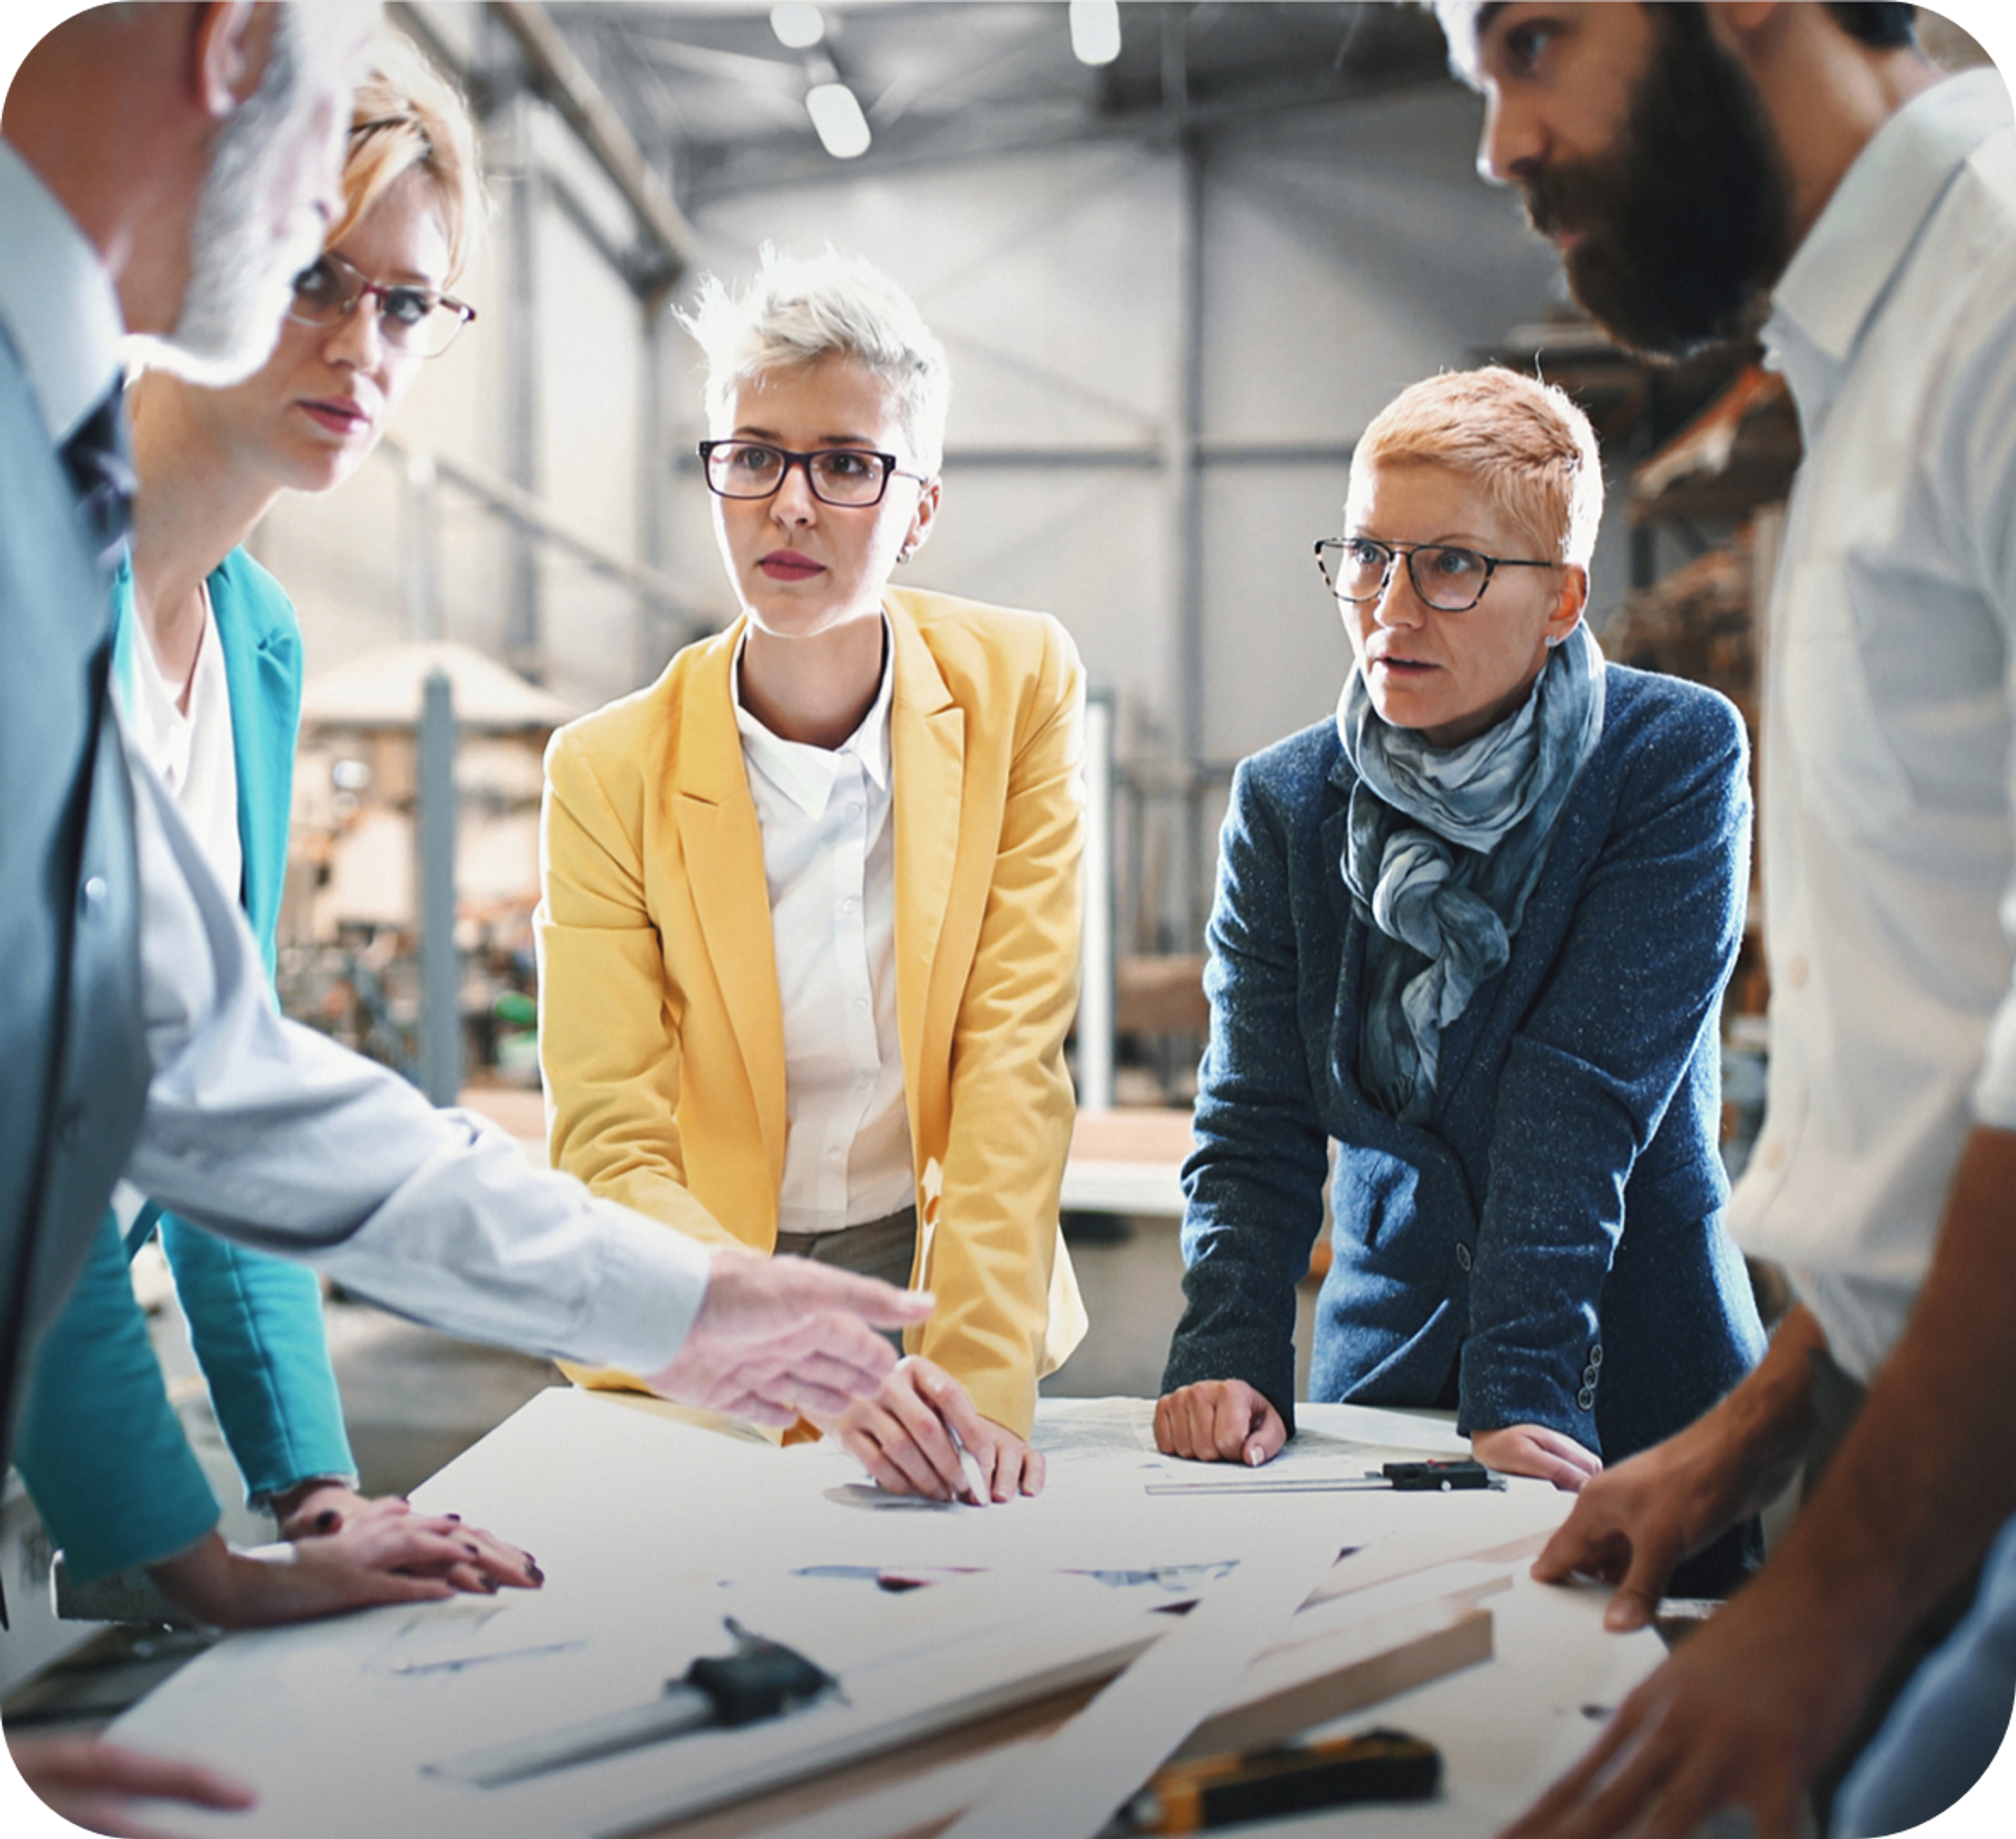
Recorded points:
(1586, 1397)
(1463, 1257)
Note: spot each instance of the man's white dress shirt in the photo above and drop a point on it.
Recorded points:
(1889, 791)
(829, 860)
(271, 1133)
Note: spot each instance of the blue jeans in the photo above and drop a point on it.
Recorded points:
(1944, 1731)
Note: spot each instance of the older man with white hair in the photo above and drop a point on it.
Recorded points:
(164, 170)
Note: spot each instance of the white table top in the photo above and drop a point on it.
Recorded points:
(638, 1517)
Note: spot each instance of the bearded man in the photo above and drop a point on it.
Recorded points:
(1805, 171)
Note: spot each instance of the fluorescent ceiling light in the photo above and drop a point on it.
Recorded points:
(797, 25)
(843, 129)
(1095, 30)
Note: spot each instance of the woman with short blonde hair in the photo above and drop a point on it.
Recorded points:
(1473, 932)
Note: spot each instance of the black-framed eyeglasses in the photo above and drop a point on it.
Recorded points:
(415, 319)
(1448, 578)
(854, 477)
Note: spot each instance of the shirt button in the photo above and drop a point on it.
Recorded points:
(860, 1004)
(849, 904)
(1463, 1257)
(1797, 971)
(853, 811)
(95, 890)
(1774, 1154)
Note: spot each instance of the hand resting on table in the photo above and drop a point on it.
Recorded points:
(1219, 1421)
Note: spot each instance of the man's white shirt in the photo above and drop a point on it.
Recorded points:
(1889, 867)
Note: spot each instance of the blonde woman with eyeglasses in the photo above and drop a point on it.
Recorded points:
(808, 947)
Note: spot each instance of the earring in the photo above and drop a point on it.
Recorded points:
(904, 554)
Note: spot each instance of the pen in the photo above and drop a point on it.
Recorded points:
(976, 1476)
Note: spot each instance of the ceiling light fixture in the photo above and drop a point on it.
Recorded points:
(1095, 30)
(797, 25)
(843, 129)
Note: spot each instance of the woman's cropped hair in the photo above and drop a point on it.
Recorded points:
(1529, 448)
(798, 309)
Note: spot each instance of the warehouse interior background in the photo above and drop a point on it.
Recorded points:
(1174, 286)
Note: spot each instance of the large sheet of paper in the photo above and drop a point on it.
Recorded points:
(651, 1528)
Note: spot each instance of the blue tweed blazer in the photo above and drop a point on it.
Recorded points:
(1553, 1237)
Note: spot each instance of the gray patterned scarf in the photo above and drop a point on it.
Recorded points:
(1444, 845)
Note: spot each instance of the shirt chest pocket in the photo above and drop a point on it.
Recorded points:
(1891, 682)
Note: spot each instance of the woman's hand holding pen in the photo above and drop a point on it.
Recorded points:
(921, 1434)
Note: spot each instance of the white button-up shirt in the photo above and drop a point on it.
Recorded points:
(1887, 795)
(191, 748)
(829, 860)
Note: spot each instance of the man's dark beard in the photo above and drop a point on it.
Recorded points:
(1687, 225)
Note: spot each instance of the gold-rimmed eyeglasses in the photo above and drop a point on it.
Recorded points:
(411, 317)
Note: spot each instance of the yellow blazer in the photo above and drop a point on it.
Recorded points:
(661, 1031)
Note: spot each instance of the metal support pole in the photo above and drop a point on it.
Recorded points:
(421, 534)
(1095, 1017)
(441, 964)
(1189, 548)
(654, 476)
(524, 647)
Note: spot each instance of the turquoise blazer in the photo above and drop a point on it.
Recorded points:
(100, 1447)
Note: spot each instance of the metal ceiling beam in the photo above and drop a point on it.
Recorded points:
(982, 133)
(559, 76)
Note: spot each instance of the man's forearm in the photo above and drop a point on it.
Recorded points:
(1768, 1418)
(1928, 1474)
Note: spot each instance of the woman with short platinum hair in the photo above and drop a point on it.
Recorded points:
(808, 945)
